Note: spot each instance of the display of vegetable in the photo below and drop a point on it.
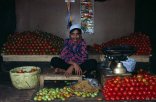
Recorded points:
(32, 43)
(141, 87)
(49, 94)
(139, 40)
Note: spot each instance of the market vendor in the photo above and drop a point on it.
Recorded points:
(74, 56)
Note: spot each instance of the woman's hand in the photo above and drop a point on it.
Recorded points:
(69, 71)
(77, 68)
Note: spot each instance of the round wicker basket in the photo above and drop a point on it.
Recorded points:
(25, 77)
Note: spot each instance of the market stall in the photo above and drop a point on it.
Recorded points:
(37, 48)
(42, 46)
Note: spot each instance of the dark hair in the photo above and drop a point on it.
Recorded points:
(78, 29)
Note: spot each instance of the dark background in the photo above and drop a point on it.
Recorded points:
(145, 21)
(7, 19)
(145, 15)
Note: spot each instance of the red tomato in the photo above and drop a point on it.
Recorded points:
(116, 89)
(121, 89)
(112, 98)
(129, 93)
(138, 97)
(127, 98)
(125, 93)
(122, 98)
(119, 93)
(131, 88)
(117, 98)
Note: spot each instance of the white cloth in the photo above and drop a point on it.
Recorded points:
(75, 26)
(129, 64)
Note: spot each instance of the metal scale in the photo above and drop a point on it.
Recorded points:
(113, 57)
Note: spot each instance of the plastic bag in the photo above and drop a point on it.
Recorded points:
(129, 64)
(93, 82)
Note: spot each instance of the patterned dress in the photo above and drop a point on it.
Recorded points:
(74, 51)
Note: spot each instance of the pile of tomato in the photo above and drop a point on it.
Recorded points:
(24, 71)
(139, 40)
(32, 43)
(141, 86)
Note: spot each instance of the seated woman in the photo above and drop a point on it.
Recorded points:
(74, 56)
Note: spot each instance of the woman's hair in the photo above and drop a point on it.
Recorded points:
(79, 30)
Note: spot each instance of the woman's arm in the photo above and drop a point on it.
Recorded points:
(66, 53)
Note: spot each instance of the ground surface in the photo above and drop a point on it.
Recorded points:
(10, 94)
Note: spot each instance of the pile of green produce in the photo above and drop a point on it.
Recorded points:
(49, 94)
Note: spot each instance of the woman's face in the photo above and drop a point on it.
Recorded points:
(75, 35)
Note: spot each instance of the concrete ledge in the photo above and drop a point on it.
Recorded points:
(47, 58)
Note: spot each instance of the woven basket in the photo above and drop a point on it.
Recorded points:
(26, 80)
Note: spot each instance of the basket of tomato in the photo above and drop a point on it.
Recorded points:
(25, 77)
